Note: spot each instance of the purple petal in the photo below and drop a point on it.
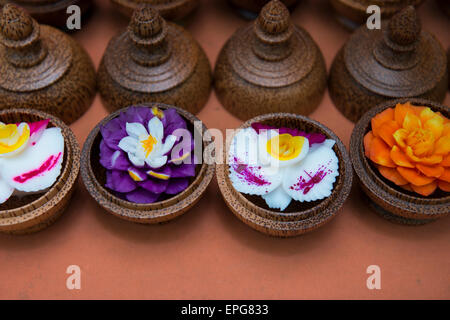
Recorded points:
(315, 138)
(142, 196)
(113, 159)
(173, 121)
(312, 137)
(177, 185)
(183, 170)
(112, 133)
(119, 181)
(156, 186)
(137, 114)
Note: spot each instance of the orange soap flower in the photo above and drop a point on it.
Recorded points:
(410, 146)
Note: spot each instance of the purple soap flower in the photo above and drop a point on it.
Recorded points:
(147, 154)
(312, 137)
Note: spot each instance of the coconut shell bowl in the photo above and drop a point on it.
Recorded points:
(42, 68)
(352, 13)
(164, 210)
(270, 65)
(154, 61)
(298, 217)
(399, 60)
(249, 9)
(34, 212)
(174, 10)
(52, 12)
(388, 199)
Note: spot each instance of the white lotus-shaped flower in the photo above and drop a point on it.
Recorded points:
(282, 167)
(31, 157)
(147, 147)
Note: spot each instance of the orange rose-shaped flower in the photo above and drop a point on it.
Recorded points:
(411, 147)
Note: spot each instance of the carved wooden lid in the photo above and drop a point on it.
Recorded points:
(271, 51)
(397, 61)
(152, 55)
(31, 57)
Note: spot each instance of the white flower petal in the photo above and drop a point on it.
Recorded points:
(168, 144)
(244, 147)
(38, 166)
(136, 130)
(128, 144)
(156, 128)
(255, 180)
(5, 191)
(137, 161)
(246, 174)
(313, 178)
(156, 162)
(277, 199)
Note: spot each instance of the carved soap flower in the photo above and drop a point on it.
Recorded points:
(410, 145)
(147, 153)
(30, 158)
(281, 164)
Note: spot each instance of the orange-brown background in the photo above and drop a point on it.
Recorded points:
(210, 254)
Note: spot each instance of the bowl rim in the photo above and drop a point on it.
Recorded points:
(292, 223)
(152, 212)
(60, 189)
(405, 204)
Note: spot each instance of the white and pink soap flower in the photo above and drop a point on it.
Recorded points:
(31, 157)
(281, 164)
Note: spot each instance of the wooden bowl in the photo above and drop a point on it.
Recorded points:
(94, 177)
(390, 201)
(298, 217)
(352, 13)
(32, 213)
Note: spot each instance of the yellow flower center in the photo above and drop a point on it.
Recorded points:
(148, 144)
(11, 138)
(421, 141)
(285, 147)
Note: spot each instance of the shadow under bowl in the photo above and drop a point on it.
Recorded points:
(34, 212)
(94, 178)
(390, 201)
(298, 217)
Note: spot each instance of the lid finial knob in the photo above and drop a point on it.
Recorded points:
(20, 35)
(273, 29)
(148, 31)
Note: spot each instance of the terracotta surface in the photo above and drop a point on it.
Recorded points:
(208, 252)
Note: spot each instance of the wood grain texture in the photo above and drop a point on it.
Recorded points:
(42, 68)
(169, 9)
(270, 65)
(390, 201)
(374, 66)
(299, 217)
(352, 13)
(23, 215)
(154, 61)
(94, 177)
(52, 12)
